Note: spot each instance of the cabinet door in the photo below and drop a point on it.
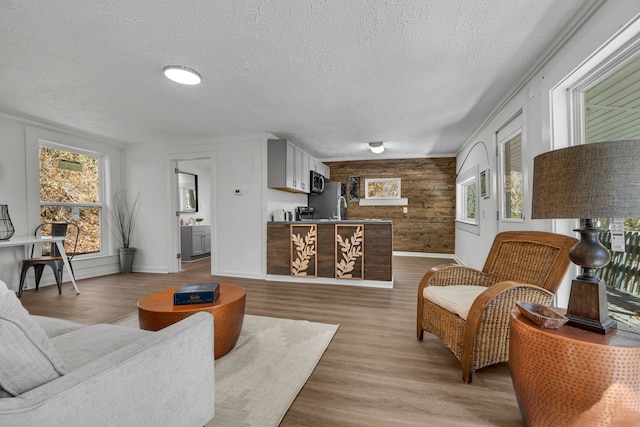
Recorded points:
(207, 243)
(322, 169)
(304, 172)
(290, 166)
(297, 168)
(197, 244)
(185, 243)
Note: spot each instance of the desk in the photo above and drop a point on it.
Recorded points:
(59, 241)
(573, 377)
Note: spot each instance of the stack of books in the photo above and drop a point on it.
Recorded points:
(197, 293)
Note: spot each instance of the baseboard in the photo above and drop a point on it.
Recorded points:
(331, 281)
(424, 255)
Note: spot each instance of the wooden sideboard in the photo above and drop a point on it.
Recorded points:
(376, 248)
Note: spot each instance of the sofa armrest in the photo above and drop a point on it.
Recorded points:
(166, 378)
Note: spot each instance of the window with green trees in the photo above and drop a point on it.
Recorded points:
(70, 192)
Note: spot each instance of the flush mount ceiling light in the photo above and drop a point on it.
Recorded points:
(376, 147)
(182, 75)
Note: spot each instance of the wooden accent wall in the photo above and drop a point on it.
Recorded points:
(430, 186)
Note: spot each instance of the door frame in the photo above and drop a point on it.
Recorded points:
(172, 221)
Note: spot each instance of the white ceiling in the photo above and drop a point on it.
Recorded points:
(330, 75)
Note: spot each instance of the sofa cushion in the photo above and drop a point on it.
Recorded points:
(82, 346)
(54, 327)
(456, 298)
(27, 358)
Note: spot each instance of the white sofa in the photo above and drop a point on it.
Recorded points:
(58, 373)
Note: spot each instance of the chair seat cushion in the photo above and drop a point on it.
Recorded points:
(455, 298)
(27, 357)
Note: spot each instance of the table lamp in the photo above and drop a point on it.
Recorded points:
(589, 181)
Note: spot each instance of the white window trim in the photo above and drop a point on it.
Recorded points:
(104, 248)
(464, 178)
(501, 189)
(568, 94)
(567, 129)
(112, 152)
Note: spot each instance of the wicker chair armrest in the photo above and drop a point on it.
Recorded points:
(500, 299)
(453, 274)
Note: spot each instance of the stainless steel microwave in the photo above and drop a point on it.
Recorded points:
(317, 182)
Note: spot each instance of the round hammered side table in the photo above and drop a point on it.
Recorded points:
(156, 311)
(573, 377)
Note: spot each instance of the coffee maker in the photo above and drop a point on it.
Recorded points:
(304, 213)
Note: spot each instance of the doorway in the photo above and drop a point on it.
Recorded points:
(191, 210)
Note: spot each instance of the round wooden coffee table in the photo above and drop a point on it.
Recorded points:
(156, 311)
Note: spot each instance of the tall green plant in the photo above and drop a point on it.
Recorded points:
(125, 215)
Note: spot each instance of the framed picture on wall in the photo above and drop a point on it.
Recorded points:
(354, 188)
(485, 183)
(382, 188)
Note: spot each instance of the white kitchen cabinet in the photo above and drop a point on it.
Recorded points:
(304, 172)
(287, 166)
(322, 169)
(195, 241)
(317, 166)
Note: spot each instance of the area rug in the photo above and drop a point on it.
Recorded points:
(259, 379)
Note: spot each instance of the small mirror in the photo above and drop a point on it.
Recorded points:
(188, 192)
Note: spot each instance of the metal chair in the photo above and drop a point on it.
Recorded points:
(52, 257)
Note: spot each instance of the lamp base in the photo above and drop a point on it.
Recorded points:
(588, 308)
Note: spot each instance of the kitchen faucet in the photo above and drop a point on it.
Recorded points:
(340, 199)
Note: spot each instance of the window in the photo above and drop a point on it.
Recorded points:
(467, 200)
(611, 112)
(512, 188)
(610, 109)
(70, 191)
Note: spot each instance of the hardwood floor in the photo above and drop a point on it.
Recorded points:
(374, 373)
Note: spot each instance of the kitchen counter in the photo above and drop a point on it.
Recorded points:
(335, 221)
(353, 252)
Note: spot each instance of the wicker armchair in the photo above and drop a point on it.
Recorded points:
(521, 266)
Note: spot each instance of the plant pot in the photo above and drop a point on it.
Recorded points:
(126, 260)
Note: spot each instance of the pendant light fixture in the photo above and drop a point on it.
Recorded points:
(182, 75)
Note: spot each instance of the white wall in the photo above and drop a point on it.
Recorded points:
(13, 190)
(238, 221)
(534, 100)
(278, 199)
(19, 189)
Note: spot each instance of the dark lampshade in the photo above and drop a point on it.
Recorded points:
(599, 180)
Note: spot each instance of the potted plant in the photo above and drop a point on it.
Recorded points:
(125, 215)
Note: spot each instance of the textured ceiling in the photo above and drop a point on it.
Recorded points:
(330, 75)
